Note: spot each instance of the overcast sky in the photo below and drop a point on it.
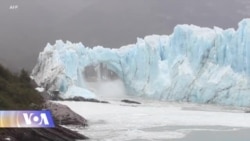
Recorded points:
(27, 25)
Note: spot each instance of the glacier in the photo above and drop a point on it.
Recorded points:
(193, 64)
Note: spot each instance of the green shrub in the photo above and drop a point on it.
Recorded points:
(16, 91)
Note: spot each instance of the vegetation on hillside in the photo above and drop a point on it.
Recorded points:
(16, 91)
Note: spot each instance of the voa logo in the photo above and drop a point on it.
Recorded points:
(26, 119)
(37, 119)
(33, 118)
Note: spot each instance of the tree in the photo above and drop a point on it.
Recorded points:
(24, 76)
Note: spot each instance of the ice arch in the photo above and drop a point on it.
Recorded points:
(193, 64)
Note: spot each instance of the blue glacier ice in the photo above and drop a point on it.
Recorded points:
(193, 64)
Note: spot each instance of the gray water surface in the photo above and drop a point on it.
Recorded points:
(239, 135)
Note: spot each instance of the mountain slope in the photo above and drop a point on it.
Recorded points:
(16, 92)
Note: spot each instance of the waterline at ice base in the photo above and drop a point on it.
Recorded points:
(193, 64)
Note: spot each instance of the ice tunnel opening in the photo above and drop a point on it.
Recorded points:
(104, 82)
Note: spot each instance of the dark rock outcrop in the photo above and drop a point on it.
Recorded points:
(247, 111)
(39, 134)
(79, 98)
(63, 115)
(130, 101)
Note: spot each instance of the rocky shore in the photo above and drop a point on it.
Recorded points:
(62, 115)
(19, 92)
(58, 133)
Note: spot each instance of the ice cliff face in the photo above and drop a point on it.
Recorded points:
(193, 64)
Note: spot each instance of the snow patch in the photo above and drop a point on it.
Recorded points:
(40, 89)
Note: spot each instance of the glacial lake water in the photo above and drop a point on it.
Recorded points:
(161, 121)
